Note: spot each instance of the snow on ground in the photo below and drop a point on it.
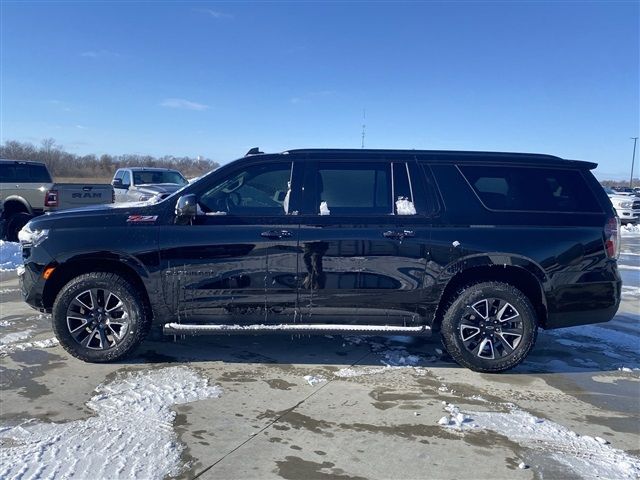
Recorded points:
(131, 435)
(15, 337)
(314, 379)
(19, 347)
(607, 341)
(630, 229)
(585, 456)
(10, 256)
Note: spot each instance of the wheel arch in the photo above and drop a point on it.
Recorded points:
(15, 204)
(522, 274)
(74, 267)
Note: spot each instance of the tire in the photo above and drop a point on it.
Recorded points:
(100, 302)
(489, 327)
(15, 224)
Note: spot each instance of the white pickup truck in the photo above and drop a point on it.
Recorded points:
(27, 190)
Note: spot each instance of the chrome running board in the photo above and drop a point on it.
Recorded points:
(312, 328)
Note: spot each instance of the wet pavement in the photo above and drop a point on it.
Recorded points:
(378, 408)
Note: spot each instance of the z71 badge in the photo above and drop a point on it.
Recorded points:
(142, 218)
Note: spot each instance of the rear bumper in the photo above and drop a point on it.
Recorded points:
(585, 303)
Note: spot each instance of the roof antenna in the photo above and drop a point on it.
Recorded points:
(364, 117)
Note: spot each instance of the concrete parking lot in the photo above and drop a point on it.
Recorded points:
(320, 407)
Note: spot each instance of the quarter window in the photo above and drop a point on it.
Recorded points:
(531, 189)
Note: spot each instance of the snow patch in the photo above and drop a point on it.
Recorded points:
(10, 256)
(324, 209)
(314, 379)
(404, 206)
(15, 337)
(131, 435)
(18, 347)
(585, 456)
(630, 229)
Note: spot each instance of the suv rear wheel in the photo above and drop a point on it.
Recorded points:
(100, 317)
(489, 327)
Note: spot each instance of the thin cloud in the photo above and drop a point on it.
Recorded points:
(81, 127)
(100, 54)
(183, 104)
(215, 13)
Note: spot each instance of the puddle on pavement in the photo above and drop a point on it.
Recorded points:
(278, 384)
(294, 468)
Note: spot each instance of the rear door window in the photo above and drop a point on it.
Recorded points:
(37, 174)
(345, 188)
(531, 189)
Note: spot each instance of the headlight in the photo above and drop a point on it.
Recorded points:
(32, 237)
(626, 204)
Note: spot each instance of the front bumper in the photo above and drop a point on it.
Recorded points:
(30, 276)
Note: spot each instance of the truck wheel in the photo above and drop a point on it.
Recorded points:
(15, 224)
(100, 317)
(489, 327)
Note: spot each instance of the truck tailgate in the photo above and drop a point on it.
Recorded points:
(72, 195)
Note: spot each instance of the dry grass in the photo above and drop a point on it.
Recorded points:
(82, 180)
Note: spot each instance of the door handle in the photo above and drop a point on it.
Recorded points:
(276, 234)
(398, 234)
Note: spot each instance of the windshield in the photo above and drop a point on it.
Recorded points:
(155, 177)
(609, 191)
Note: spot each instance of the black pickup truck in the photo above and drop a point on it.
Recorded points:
(481, 248)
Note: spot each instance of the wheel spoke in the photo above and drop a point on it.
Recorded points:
(511, 339)
(104, 341)
(83, 321)
(79, 300)
(482, 347)
(467, 332)
(482, 305)
(509, 311)
(87, 340)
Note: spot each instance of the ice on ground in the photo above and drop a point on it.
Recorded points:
(607, 340)
(404, 206)
(10, 256)
(314, 379)
(15, 337)
(585, 456)
(131, 435)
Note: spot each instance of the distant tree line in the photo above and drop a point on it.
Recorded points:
(65, 164)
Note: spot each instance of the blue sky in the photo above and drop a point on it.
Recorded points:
(214, 79)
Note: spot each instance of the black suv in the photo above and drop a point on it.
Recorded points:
(482, 248)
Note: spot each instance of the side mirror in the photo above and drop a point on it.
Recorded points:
(117, 183)
(186, 209)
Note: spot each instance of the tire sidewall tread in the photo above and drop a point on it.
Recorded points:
(128, 293)
(469, 295)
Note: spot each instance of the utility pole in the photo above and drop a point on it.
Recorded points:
(633, 160)
(364, 117)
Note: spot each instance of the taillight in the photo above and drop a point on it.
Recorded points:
(612, 237)
(51, 199)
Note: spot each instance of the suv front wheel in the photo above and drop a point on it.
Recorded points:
(100, 317)
(489, 327)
